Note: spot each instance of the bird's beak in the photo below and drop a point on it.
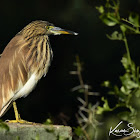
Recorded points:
(58, 31)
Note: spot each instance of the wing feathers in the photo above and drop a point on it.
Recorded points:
(13, 72)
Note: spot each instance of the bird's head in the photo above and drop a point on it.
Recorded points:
(41, 28)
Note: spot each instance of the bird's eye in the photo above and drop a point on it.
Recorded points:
(49, 27)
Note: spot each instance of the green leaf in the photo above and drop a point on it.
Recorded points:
(137, 93)
(123, 28)
(128, 115)
(128, 68)
(124, 115)
(133, 110)
(4, 126)
(105, 107)
(127, 83)
(106, 84)
(125, 62)
(100, 9)
(48, 122)
(115, 36)
(109, 20)
(78, 131)
(134, 19)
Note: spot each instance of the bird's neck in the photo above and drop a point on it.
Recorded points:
(39, 55)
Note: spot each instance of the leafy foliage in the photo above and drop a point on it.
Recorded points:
(48, 122)
(130, 82)
(4, 126)
(126, 95)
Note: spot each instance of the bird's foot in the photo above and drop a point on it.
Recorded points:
(19, 121)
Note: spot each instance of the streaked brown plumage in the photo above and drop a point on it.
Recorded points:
(25, 60)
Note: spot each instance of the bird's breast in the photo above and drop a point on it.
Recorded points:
(38, 60)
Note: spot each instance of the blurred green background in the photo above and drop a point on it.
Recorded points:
(101, 56)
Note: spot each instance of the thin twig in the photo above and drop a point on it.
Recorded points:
(84, 131)
(79, 69)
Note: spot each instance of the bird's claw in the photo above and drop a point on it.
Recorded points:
(19, 121)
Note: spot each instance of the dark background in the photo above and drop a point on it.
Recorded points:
(101, 57)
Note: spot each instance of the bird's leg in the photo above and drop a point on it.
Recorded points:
(17, 116)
